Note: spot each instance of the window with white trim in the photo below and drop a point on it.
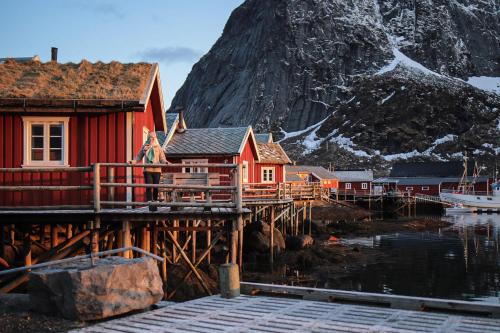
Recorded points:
(195, 169)
(409, 188)
(45, 141)
(364, 186)
(268, 175)
(425, 188)
(244, 168)
(348, 186)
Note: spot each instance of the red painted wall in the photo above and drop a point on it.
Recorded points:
(249, 154)
(278, 169)
(92, 138)
(355, 186)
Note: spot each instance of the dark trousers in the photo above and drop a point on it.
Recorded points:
(152, 178)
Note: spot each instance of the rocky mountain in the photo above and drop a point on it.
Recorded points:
(356, 82)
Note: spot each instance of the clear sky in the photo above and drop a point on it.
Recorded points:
(174, 33)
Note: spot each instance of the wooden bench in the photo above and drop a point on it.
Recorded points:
(180, 178)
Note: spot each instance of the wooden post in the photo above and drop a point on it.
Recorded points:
(209, 240)
(304, 217)
(27, 247)
(175, 234)
(69, 231)
(154, 236)
(42, 234)
(241, 225)
(236, 223)
(234, 240)
(94, 227)
(229, 281)
(126, 238)
(111, 179)
(143, 239)
(193, 242)
(271, 241)
(97, 187)
(54, 237)
(310, 218)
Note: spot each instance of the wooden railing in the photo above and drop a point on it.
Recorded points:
(107, 185)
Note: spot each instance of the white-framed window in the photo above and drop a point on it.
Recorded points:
(244, 169)
(364, 186)
(268, 174)
(348, 186)
(409, 188)
(45, 141)
(195, 169)
(425, 188)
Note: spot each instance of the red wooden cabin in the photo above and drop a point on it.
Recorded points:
(311, 174)
(270, 169)
(213, 145)
(354, 181)
(70, 115)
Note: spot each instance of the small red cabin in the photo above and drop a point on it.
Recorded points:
(354, 181)
(71, 115)
(213, 145)
(311, 174)
(270, 169)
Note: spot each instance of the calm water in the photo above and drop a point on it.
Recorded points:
(459, 262)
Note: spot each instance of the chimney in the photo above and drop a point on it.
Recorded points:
(53, 52)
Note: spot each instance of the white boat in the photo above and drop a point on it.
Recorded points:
(458, 209)
(474, 200)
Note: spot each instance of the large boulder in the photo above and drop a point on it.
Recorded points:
(81, 290)
(299, 242)
(258, 238)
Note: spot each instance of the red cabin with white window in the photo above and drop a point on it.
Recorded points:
(270, 169)
(73, 115)
(311, 174)
(235, 145)
(354, 181)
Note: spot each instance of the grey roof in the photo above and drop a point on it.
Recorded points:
(431, 169)
(208, 141)
(354, 175)
(425, 180)
(318, 171)
(264, 137)
(293, 177)
(272, 153)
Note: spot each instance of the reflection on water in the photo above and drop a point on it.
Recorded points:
(460, 262)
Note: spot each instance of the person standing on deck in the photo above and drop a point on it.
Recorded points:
(152, 154)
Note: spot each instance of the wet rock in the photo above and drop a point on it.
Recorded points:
(14, 302)
(82, 291)
(258, 237)
(192, 287)
(299, 242)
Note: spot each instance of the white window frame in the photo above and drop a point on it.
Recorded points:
(364, 186)
(195, 161)
(265, 179)
(425, 188)
(409, 188)
(46, 122)
(245, 171)
(348, 186)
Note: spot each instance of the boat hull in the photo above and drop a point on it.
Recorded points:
(482, 202)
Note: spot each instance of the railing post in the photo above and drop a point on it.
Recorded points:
(97, 187)
(111, 179)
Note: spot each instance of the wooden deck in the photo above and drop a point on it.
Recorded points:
(276, 315)
(116, 214)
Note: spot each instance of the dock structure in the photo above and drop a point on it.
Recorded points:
(278, 315)
(109, 211)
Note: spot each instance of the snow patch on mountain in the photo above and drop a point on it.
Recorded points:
(487, 83)
(403, 60)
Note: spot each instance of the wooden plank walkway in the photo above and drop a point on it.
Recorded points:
(278, 315)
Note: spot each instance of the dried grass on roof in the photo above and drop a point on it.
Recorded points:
(73, 81)
(272, 153)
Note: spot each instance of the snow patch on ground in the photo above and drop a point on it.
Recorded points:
(487, 83)
(347, 144)
(401, 59)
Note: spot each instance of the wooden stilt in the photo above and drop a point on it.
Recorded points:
(27, 247)
(240, 242)
(95, 227)
(209, 240)
(304, 217)
(193, 242)
(54, 240)
(154, 238)
(271, 232)
(175, 234)
(143, 239)
(310, 218)
(127, 241)
(234, 240)
(69, 231)
(41, 235)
